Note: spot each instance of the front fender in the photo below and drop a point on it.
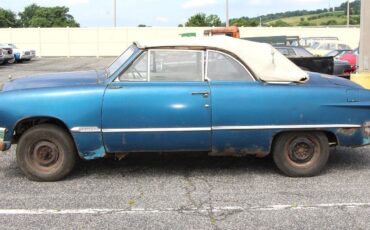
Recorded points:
(73, 106)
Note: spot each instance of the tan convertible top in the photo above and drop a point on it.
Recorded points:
(266, 62)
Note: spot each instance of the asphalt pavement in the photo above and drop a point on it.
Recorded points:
(177, 191)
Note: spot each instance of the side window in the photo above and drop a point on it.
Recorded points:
(222, 67)
(289, 52)
(176, 65)
(138, 71)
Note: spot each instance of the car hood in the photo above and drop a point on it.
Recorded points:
(55, 80)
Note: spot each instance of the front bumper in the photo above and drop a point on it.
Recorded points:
(26, 56)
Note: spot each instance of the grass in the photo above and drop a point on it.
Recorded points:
(317, 19)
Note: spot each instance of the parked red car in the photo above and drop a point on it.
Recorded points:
(351, 58)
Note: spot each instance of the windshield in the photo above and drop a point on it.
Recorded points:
(315, 45)
(120, 61)
(301, 52)
(13, 46)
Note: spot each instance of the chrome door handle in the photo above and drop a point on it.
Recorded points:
(204, 94)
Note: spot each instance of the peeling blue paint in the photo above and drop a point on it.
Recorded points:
(95, 154)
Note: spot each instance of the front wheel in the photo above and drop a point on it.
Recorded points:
(46, 153)
(301, 154)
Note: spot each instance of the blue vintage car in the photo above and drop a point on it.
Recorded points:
(218, 95)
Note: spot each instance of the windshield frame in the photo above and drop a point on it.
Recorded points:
(121, 62)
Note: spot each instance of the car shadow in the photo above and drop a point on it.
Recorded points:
(176, 163)
(349, 158)
(154, 164)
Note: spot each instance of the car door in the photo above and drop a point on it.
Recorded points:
(236, 97)
(160, 103)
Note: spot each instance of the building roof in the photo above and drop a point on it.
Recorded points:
(266, 62)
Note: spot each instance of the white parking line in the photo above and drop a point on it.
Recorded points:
(187, 210)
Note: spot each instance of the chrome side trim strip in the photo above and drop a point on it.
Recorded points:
(193, 129)
(258, 127)
(216, 128)
(92, 129)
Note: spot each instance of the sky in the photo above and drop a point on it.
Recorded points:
(99, 13)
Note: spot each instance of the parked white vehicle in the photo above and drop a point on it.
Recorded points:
(22, 54)
(7, 53)
(321, 48)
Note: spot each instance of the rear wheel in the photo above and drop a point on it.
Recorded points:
(301, 154)
(46, 153)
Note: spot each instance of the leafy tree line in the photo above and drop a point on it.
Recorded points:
(38, 16)
(355, 7)
(202, 19)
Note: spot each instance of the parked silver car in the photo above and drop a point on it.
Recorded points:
(8, 53)
(22, 54)
(1, 56)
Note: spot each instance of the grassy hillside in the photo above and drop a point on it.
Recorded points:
(333, 18)
(319, 17)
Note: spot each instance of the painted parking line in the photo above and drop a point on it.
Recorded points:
(90, 211)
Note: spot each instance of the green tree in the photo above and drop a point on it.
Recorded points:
(197, 20)
(27, 14)
(213, 20)
(330, 22)
(202, 19)
(306, 23)
(244, 21)
(8, 18)
(37, 16)
(280, 23)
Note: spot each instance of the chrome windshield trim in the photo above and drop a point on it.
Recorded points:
(258, 127)
(192, 129)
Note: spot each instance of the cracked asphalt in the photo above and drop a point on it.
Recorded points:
(177, 191)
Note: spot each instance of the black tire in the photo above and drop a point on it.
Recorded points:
(46, 153)
(301, 154)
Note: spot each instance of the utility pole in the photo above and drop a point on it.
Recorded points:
(364, 56)
(115, 13)
(363, 77)
(348, 13)
(227, 14)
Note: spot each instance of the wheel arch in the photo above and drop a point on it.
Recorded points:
(25, 124)
(332, 138)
